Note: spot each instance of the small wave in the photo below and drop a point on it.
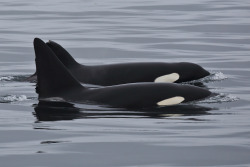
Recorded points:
(214, 76)
(12, 98)
(219, 98)
(18, 78)
(6, 78)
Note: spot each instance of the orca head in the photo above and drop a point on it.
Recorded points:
(190, 71)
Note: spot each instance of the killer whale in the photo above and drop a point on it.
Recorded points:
(54, 81)
(114, 74)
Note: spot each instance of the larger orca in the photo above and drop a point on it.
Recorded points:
(114, 74)
(54, 81)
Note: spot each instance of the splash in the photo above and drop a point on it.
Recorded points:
(18, 78)
(6, 78)
(219, 98)
(12, 98)
(213, 77)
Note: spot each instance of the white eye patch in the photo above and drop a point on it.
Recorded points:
(171, 101)
(170, 78)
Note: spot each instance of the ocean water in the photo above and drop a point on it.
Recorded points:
(211, 132)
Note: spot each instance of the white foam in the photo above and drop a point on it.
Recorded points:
(219, 98)
(218, 76)
(214, 76)
(6, 78)
(12, 98)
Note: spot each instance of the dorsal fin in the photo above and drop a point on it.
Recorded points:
(62, 54)
(53, 78)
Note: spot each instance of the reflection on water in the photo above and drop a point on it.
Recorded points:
(52, 111)
(56, 111)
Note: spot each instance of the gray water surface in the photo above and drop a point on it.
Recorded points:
(212, 132)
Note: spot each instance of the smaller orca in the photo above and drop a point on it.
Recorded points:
(114, 74)
(54, 81)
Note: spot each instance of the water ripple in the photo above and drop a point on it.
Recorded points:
(213, 77)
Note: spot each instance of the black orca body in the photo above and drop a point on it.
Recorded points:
(114, 74)
(55, 81)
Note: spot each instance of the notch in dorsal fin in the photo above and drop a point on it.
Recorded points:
(53, 78)
(62, 54)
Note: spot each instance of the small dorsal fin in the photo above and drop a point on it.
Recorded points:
(62, 54)
(53, 78)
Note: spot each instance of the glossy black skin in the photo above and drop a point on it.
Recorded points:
(114, 74)
(54, 80)
(139, 94)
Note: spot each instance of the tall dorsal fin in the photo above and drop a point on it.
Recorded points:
(53, 78)
(62, 54)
